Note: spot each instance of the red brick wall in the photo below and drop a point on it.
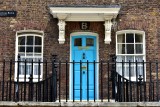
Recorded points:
(34, 14)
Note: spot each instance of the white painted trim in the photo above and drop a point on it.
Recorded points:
(26, 33)
(84, 34)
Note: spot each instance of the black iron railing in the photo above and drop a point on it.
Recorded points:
(55, 81)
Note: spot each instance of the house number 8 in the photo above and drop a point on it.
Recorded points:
(84, 25)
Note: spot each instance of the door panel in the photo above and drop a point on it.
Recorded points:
(83, 49)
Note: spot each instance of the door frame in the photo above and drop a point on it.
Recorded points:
(97, 70)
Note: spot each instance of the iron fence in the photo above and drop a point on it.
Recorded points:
(57, 81)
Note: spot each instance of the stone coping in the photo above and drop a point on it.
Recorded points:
(82, 104)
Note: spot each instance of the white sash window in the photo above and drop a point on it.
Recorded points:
(130, 46)
(29, 47)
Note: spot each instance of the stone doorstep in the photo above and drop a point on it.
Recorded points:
(104, 100)
(81, 104)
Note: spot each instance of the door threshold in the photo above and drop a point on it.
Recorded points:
(104, 100)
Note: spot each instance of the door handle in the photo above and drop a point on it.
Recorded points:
(84, 56)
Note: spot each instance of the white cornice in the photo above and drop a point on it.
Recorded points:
(83, 10)
(84, 14)
(87, 14)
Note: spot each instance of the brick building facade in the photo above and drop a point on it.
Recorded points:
(34, 15)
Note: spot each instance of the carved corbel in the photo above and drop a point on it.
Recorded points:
(61, 25)
(108, 25)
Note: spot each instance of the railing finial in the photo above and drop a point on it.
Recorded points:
(140, 78)
(30, 78)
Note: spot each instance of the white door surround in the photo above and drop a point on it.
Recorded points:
(85, 13)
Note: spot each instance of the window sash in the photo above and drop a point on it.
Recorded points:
(36, 54)
(137, 54)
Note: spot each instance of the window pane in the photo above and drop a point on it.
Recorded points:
(29, 49)
(89, 42)
(29, 40)
(22, 59)
(139, 48)
(140, 70)
(29, 69)
(130, 71)
(130, 48)
(29, 55)
(37, 49)
(138, 38)
(38, 54)
(21, 69)
(38, 41)
(130, 58)
(21, 49)
(22, 55)
(121, 48)
(139, 66)
(121, 38)
(119, 69)
(120, 58)
(78, 42)
(129, 38)
(21, 40)
(139, 58)
(29, 61)
(38, 59)
(37, 69)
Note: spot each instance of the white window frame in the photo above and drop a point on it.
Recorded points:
(24, 33)
(133, 78)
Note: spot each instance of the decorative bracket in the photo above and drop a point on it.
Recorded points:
(61, 25)
(108, 25)
(61, 17)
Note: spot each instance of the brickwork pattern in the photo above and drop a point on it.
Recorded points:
(34, 14)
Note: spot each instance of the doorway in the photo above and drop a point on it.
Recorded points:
(83, 69)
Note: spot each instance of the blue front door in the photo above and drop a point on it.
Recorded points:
(83, 75)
